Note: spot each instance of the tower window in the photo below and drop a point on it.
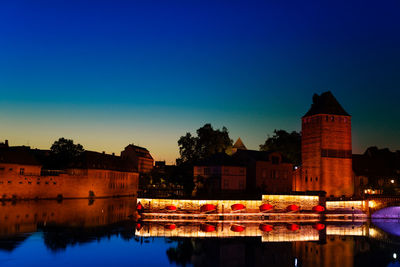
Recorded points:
(306, 179)
(316, 179)
(332, 118)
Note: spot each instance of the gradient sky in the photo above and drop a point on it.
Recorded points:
(109, 73)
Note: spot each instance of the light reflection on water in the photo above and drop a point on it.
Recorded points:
(103, 233)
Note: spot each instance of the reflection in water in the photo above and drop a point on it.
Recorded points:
(109, 224)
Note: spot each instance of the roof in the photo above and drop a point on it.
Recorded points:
(377, 163)
(239, 145)
(325, 103)
(140, 151)
(95, 160)
(219, 159)
(18, 155)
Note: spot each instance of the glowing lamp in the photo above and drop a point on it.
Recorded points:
(237, 228)
(318, 208)
(266, 207)
(207, 228)
(138, 226)
(266, 227)
(319, 226)
(293, 227)
(207, 208)
(236, 207)
(292, 208)
(171, 208)
(139, 207)
(170, 226)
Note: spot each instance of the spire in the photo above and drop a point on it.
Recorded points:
(325, 103)
(239, 144)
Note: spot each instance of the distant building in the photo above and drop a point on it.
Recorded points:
(376, 171)
(140, 156)
(221, 173)
(92, 175)
(326, 149)
(267, 172)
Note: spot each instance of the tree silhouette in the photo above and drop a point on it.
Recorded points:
(288, 144)
(207, 142)
(63, 152)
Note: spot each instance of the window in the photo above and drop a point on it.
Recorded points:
(241, 184)
(226, 183)
(21, 171)
(206, 171)
(275, 160)
(316, 179)
(306, 179)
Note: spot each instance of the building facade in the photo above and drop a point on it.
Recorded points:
(267, 172)
(140, 156)
(326, 149)
(93, 175)
(220, 173)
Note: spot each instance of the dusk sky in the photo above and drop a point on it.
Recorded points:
(110, 73)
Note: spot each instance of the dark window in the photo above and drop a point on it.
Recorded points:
(275, 160)
(21, 171)
(306, 179)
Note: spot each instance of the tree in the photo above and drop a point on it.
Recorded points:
(207, 142)
(288, 144)
(63, 152)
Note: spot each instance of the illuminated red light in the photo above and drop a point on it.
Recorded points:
(266, 227)
(292, 208)
(293, 227)
(266, 207)
(207, 228)
(170, 226)
(237, 228)
(318, 208)
(170, 208)
(319, 226)
(207, 208)
(236, 207)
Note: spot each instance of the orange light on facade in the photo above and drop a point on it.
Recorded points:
(207, 208)
(266, 227)
(318, 208)
(237, 228)
(266, 207)
(236, 207)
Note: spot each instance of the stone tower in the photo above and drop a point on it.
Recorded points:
(326, 149)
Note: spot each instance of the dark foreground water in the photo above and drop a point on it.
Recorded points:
(103, 233)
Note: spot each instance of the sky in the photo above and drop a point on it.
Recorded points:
(110, 73)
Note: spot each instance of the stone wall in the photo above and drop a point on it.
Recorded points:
(74, 184)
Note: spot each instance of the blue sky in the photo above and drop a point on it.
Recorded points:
(109, 73)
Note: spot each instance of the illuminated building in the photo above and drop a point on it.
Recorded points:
(92, 175)
(326, 149)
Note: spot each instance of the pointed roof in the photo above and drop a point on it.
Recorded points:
(325, 103)
(239, 144)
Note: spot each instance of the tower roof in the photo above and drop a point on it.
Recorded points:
(325, 103)
(239, 144)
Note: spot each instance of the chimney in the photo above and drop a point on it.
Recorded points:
(113, 154)
(6, 143)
